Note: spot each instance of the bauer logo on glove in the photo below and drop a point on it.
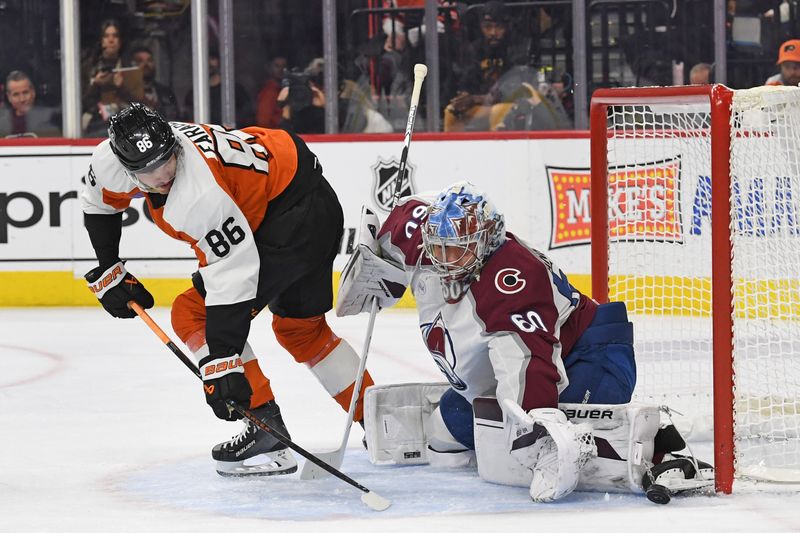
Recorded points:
(115, 287)
(220, 368)
(224, 380)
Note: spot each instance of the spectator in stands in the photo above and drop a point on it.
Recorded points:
(387, 59)
(789, 63)
(244, 112)
(302, 101)
(395, 64)
(268, 112)
(487, 60)
(24, 117)
(532, 105)
(155, 95)
(109, 84)
(700, 74)
(498, 89)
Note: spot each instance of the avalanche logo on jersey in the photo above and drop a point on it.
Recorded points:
(508, 281)
(439, 343)
(385, 174)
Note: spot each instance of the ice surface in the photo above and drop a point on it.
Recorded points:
(103, 429)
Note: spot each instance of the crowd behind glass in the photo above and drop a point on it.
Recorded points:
(502, 66)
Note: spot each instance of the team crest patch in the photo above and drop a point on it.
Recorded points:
(440, 345)
(383, 184)
(508, 281)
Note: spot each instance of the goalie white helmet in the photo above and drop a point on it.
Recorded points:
(462, 229)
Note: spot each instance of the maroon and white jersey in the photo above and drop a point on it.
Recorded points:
(507, 336)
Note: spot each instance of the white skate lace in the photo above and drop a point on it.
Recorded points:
(241, 436)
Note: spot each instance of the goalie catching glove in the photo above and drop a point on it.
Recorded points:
(553, 448)
(115, 287)
(223, 381)
(367, 275)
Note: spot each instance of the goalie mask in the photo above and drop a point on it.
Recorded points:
(461, 231)
(142, 141)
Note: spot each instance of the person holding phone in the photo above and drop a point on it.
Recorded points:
(106, 87)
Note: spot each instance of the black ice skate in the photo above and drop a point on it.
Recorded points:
(254, 452)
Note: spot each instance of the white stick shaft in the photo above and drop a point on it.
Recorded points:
(310, 470)
(419, 77)
(362, 366)
(420, 71)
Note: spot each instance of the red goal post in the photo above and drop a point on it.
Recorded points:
(656, 155)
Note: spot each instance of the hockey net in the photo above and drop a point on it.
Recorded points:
(714, 294)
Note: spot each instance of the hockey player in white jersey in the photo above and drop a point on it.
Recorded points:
(265, 225)
(513, 338)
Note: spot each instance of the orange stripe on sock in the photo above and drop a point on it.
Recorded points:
(343, 398)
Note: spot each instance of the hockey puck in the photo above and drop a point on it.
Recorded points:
(658, 494)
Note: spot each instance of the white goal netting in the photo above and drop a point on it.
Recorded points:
(659, 220)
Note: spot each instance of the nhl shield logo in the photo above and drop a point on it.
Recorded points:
(383, 184)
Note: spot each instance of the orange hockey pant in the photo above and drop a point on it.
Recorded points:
(309, 340)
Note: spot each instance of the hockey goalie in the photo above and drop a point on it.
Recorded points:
(539, 375)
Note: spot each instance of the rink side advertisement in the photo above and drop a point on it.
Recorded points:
(541, 186)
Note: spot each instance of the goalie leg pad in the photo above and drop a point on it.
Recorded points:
(623, 435)
(495, 464)
(397, 421)
(444, 450)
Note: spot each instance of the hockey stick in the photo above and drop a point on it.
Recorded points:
(370, 498)
(335, 458)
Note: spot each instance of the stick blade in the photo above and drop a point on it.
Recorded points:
(375, 501)
(314, 471)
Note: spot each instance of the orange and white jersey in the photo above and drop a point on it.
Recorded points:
(224, 181)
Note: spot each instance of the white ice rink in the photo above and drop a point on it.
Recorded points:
(103, 429)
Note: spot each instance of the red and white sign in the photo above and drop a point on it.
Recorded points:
(643, 203)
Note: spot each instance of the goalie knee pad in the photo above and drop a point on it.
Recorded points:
(398, 424)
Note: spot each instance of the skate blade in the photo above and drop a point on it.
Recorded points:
(277, 463)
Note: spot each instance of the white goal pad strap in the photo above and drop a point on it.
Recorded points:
(366, 275)
(397, 421)
(623, 435)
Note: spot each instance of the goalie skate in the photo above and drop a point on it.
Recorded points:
(254, 452)
(676, 474)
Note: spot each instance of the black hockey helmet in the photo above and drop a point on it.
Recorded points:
(140, 138)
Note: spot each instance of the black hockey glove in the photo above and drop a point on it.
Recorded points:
(115, 287)
(223, 380)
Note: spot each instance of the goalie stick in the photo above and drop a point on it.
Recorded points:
(370, 498)
(335, 458)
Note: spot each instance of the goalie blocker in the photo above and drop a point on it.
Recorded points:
(585, 447)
